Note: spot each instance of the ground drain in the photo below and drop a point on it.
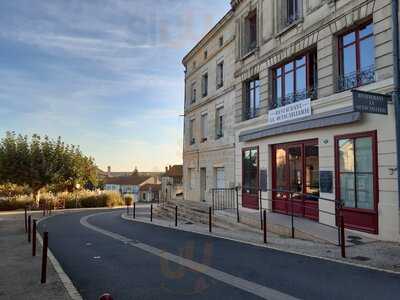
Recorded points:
(361, 258)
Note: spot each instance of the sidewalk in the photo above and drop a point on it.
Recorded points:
(20, 272)
(374, 254)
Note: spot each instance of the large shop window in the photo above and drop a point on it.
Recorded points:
(252, 98)
(356, 172)
(295, 80)
(356, 57)
(296, 178)
(357, 180)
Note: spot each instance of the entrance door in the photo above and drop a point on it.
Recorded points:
(250, 178)
(203, 184)
(296, 179)
(357, 180)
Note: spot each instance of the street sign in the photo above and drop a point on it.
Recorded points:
(372, 103)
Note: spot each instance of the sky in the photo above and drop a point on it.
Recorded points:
(103, 74)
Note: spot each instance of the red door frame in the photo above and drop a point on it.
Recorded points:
(251, 200)
(357, 218)
(305, 208)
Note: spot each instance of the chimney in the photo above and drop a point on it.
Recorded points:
(109, 171)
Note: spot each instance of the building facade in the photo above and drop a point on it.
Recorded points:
(209, 113)
(297, 134)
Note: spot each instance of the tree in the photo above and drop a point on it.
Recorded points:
(40, 163)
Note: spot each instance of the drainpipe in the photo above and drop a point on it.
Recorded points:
(396, 79)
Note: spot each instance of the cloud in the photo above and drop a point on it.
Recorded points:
(100, 75)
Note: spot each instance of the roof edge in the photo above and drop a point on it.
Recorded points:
(208, 36)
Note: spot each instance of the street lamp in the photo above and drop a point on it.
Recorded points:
(77, 187)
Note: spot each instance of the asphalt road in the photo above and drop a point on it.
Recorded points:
(98, 263)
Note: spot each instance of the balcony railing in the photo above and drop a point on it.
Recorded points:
(356, 79)
(251, 113)
(293, 98)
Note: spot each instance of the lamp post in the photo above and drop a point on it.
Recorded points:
(77, 187)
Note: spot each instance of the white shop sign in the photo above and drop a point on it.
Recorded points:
(290, 112)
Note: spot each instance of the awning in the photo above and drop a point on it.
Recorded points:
(341, 116)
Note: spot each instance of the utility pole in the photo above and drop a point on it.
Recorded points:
(396, 79)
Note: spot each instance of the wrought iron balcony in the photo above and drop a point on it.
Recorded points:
(356, 79)
(293, 98)
(251, 113)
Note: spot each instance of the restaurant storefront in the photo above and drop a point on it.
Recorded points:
(295, 178)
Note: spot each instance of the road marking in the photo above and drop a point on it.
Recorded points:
(243, 241)
(240, 283)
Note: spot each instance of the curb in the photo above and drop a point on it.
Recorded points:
(125, 217)
(66, 281)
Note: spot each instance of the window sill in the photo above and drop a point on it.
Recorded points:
(250, 53)
(289, 27)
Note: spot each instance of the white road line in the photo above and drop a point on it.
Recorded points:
(245, 285)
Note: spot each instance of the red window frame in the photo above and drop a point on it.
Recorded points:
(367, 215)
(258, 164)
(356, 29)
(311, 80)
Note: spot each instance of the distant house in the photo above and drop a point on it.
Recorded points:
(129, 184)
(150, 192)
(171, 182)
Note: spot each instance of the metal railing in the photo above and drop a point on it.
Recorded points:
(293, 98)
(226, 198)
(251, 113)
(356, 79)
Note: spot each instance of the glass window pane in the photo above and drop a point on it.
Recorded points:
(281, 169)
(367, 53)
(367, 30)
(289, 67)
(301, 79)
(349, 38)
(365, 194)
(301, 61)
(296, 169)
(278, 88)
(349, 60)
(346, 155)
(289, 88)
(347, 193)
(364, 155)
(312, 171)
(278, 72)
(257, 98)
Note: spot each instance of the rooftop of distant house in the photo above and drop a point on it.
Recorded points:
(150, 187)
(174, 171)
(133, 179)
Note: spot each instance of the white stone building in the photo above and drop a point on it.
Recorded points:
(295, 126)
(209, 113)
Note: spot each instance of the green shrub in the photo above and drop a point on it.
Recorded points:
(128, 200)
(15, 203)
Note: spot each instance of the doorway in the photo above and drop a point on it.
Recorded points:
(296, 178)
(203, 184)
(250, 178)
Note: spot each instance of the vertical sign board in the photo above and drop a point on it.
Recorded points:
(326, 181)
(372, 103)
(263, 180)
